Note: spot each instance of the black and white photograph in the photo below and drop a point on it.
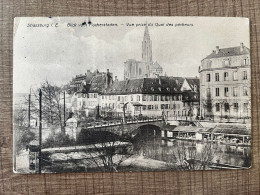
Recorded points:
(126, 94)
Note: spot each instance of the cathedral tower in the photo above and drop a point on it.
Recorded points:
(146, 47)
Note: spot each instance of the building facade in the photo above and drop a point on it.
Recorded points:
(151, 97)
(225, 83)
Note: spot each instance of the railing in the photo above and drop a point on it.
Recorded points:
(120, 122)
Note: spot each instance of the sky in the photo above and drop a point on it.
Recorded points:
(43, 51)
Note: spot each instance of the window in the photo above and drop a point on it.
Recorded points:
(156, 107)
(162, 106)
(195, 88)
(235, 76)
(225, 76)
(155, 98)
(118, 98)
(245, 108)
(208, 77)
(226, 91)
(226, 62)
(235, 90)
(245, 61)
(138, 97)
(208, 92)
(217, 107)
(226, 106)
(151, 98)
(217, 92)
(235, 107)
(144, 97)
(166, 98)
(132, 98)
(140, 71)
(144, 107)
(162, 98)
(149, 107)
(244, 75)
(216, 76)
(245, 91)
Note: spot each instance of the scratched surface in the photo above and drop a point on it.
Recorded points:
(192, 182)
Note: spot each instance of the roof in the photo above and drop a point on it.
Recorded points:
(192, 129)
(155, 65)
(231, 51)
(161, 85)
(192, 82)
(232, 129)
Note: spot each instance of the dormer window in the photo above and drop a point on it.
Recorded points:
(226, 62)
(245, 61)
(152, 88)
(168, 89)
(159, 88)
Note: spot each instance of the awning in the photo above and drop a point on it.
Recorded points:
(232, 130)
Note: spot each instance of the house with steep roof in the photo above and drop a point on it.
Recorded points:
(146, 96)
(225, 83)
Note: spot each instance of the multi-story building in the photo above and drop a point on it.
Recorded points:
(85, 100)
(146, 68)
(146, 97)
(225, 83)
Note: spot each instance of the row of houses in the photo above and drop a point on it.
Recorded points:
(103, 96)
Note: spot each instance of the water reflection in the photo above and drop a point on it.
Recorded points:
(153, 146)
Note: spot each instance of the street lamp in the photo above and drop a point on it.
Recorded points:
(124, 107)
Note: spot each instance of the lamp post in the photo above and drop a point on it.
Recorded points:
(124, 107)
(40, 132)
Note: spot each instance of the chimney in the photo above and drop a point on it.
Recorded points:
(146, 76)
(107, 70)
(217, 49)
(116, 79)
(241, 47)
(88, 70)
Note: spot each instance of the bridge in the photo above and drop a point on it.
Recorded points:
(128, 127)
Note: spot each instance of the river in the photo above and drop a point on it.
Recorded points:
(152, 145)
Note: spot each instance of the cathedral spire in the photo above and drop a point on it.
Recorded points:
(146, 33)
(146, 46)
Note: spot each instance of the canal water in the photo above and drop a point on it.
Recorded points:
(152, 145)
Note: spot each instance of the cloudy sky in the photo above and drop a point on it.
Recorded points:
(59, 53)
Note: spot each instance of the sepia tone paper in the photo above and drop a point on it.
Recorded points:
(116, 94)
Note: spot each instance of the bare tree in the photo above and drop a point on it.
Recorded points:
(188, 158)
(52, 110)
(20, 116)
(107, 151)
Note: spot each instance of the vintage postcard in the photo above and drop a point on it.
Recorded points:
(111, 94)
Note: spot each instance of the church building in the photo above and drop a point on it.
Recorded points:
(134, 69)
